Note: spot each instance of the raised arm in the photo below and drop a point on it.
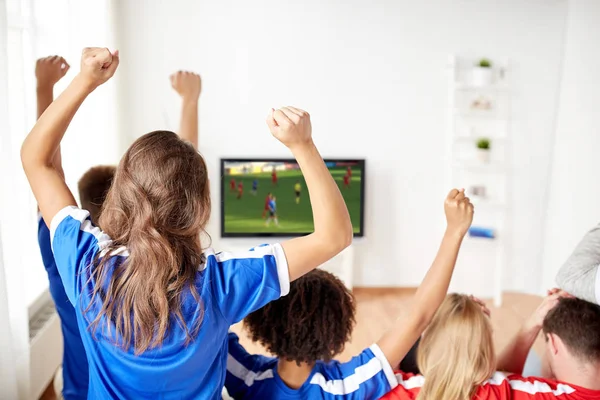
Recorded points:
(333, 229)
(513, 357)
(40, 146)
(48, 71)
(397, 341)
(579, 275)
(188, 85)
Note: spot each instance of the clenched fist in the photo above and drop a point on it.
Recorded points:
(49, 70)
(187, 84)
(290, 125)
(459, 212)
(98, 65)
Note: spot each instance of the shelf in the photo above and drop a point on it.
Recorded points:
(482, 115)
(495, 167)
(487, 203)
(458, 138)
(487, 88)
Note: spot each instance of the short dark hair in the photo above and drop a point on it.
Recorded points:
(93, 187)
(577, 323)
(313, 322)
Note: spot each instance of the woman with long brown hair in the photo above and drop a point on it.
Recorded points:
(153, 305)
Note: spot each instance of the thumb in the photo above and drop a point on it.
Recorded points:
(103, 57)
(271, 123)
(112, 67)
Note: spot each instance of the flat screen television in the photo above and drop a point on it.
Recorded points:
(268, 197)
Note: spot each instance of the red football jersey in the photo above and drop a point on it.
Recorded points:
(501, 387)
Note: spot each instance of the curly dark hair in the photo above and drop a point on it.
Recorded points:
(313, 322)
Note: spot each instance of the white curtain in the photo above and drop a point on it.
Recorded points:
(30, 29)
(8, 373)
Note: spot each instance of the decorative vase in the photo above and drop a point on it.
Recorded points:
(482, 76)
(483, 155)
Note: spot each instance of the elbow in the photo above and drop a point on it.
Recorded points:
(345, 236)
(25, 157)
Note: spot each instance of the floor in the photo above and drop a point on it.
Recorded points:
(378, 308)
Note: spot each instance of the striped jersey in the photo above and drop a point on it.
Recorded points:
(367, 376)
(230, 287)
(501, 387)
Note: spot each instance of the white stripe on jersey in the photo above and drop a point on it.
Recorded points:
(235, 368)
(498, 379)
(85, 225)
(540, 387)
(416, 381)
(387, 368)
(259, 252)
(352, 383)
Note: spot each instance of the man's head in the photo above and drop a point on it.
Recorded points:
(572, 331)
(93, 187)
(313, 322)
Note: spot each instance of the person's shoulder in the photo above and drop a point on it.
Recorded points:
(531, 387)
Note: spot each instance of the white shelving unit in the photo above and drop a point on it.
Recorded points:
(482, 111)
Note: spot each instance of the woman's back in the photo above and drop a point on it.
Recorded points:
(229, 286)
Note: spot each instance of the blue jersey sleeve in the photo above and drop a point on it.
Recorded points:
(44, 243)
(244, 368)
(75, 241)
(244, 282)
(367, 376)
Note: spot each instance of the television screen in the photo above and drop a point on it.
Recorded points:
(269, 197)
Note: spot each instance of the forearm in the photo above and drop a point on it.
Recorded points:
(432, 291)
(330, 214)
(40, 147)
(577, 276)
(189, 122)
(513, 357)
(398, 340)
(45, 97)
(333, 229)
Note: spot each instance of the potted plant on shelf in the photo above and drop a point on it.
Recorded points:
(483, 73)
(483, 150)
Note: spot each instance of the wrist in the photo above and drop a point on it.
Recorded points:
(84, 85)
(190, 101)
(533, 325)
(454, 233)
(302, 147)
(42, 87)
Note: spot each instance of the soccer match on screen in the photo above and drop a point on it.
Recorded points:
(271, 197)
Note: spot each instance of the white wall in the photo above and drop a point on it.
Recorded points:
(372, 74)
(575, 191)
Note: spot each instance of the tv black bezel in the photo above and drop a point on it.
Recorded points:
(360, 233)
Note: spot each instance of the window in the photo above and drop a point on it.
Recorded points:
(38, 28)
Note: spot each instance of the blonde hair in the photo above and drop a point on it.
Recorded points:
(456, 353)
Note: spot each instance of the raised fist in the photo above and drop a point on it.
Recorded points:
(98, 65)
(290, 125)
(187, 84)
(49, 70)
(459, 212)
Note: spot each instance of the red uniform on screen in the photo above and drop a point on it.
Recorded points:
(232, 185)
(267, 201)
(240, 190)
(346, 180)
(274, 177)
(349, 172)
